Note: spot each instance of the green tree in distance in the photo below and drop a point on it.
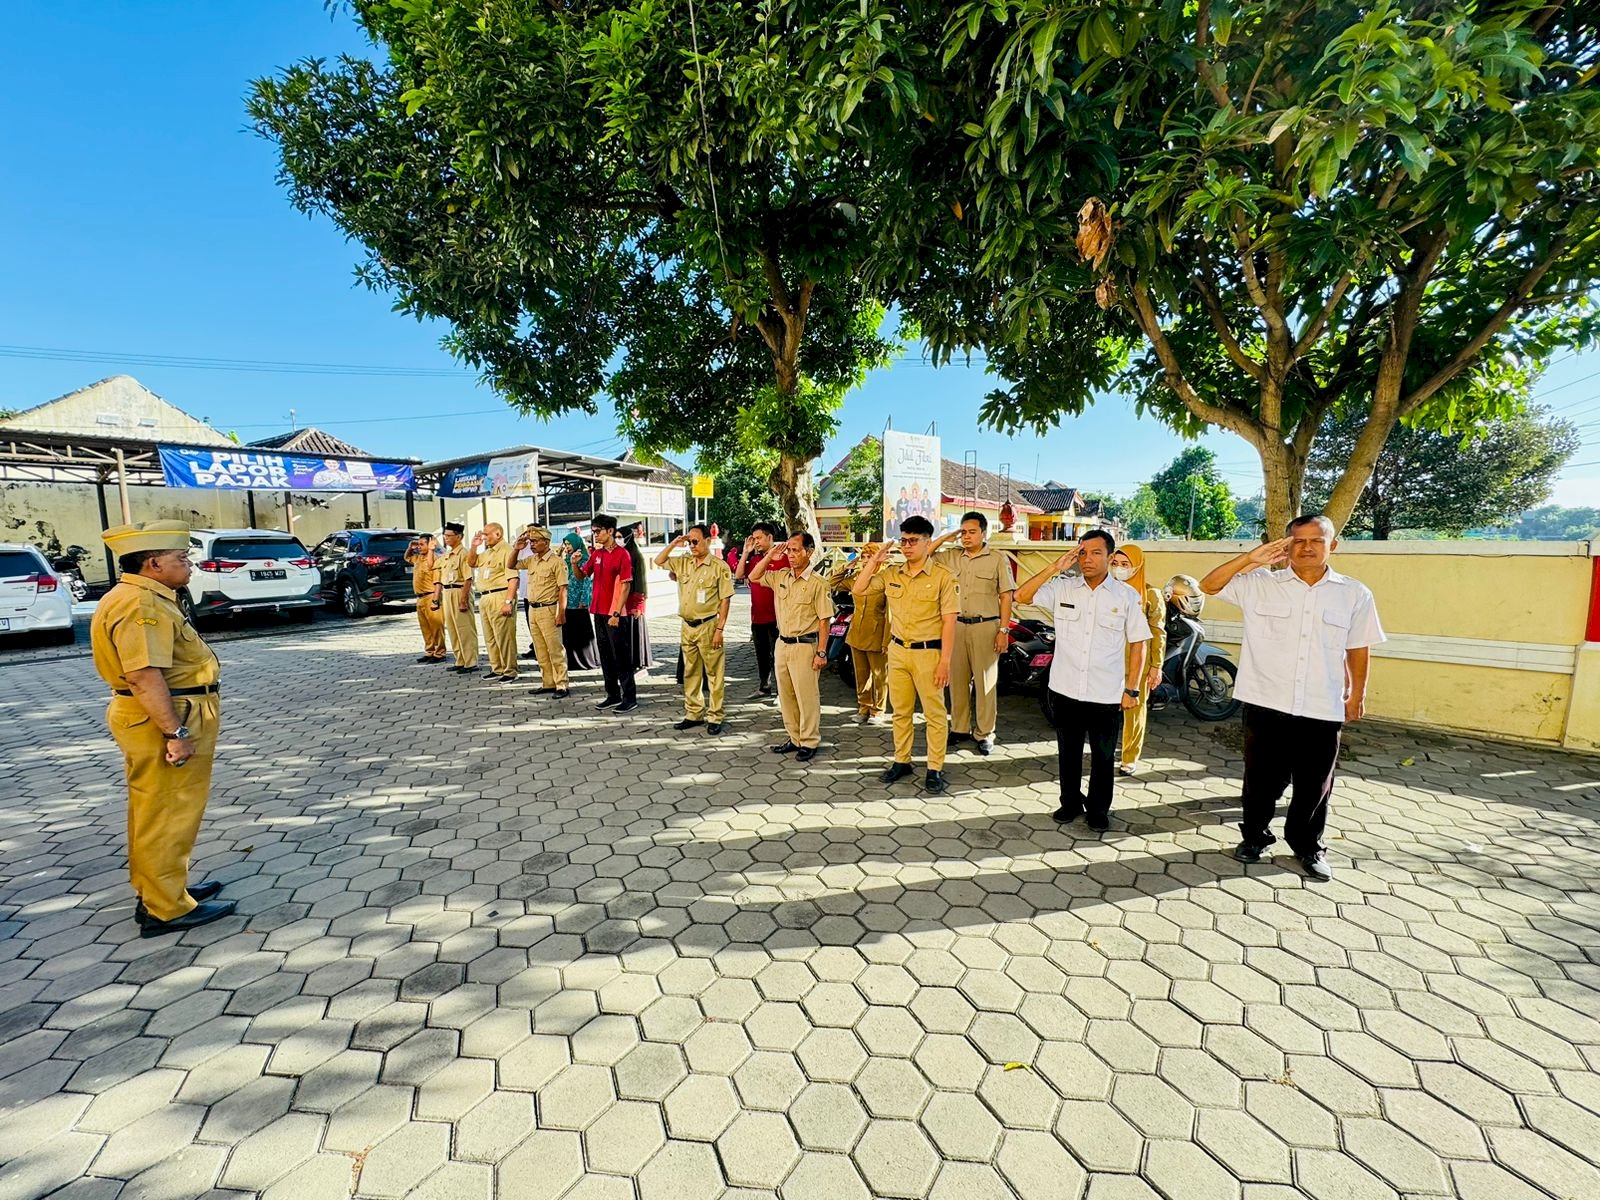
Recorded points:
(858, 484)
(1552, 523)
(646, 200)
(1288, 206)
(1444, 483)
(1192, 499)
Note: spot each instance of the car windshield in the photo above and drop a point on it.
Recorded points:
(19, 562)
(257, 548)
(389, 543)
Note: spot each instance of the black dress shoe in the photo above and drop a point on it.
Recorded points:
(460, 670)
(784, 748)
(955, 739)
(1067, 813)
(1315, 866)
(528, 653)
(935, 783)
(608, 702)
(199, 893)
(628, 707)
(427, 658)
(1247, 852)
(200, 914)
(561, 693)
(984, 746)
(541, 691)
(714, 728)
(805, 754)
(686, 723)
(1099, 822)
(895, 773)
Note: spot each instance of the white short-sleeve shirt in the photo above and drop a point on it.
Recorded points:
(1296, 636)
(1094, 627)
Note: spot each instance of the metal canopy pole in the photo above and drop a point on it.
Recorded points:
(250, 505)
(366, 512)
(105, 524)
(411, 510)
(122, 488)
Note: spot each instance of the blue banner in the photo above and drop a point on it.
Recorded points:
(236, 470)
(509, 476)
(470, 480)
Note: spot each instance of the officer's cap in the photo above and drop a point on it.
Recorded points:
(146, 535)
(455, 527)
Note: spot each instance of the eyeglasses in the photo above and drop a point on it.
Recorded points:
(697, 541)
(912, 540)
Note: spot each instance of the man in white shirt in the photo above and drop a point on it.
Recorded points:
(1101, 633)
(1308, 631)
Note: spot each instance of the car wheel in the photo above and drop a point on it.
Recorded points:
(186, 605)
(350, 600)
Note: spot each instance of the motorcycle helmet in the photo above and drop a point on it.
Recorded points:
(1184, 594)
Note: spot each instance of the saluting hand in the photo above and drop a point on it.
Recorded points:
(1270, 554)
(1065, 562)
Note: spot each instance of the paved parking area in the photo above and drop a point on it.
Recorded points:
(497, 947)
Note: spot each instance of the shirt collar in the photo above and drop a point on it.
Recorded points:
(150, 585)
(1330, 577)
(809, 571)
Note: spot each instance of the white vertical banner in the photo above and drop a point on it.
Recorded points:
(911, 479)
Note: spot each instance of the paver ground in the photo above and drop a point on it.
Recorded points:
(496, 946)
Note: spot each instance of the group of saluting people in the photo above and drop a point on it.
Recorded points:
(920, 626)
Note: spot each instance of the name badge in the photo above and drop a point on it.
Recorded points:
(700, 596)
(1068, 604)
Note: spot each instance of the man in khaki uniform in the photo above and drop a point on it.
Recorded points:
(705, 592)
(983, 577)
(868, 638)
(805, 607)
(164, 716)
(455, 595)
(430, 609)
(547, 612)
(922, 621)
(490, 558)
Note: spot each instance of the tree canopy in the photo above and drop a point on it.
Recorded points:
(1281, 206)
(1446, 483)
(647, 201)
(1192, 499)
(858, 485)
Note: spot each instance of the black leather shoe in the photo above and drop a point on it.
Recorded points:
(785, 748)
(955, 739)
(984, 746)
(608, 702)
(895, 773)
(541, 691)
(561, 693)
(528, 653)
(200, 914)
(458, 669)
(508, 679)
(427, 658)
(1247, 852)
(686, 723)
(628, 707)
(1067, 813)
(1316, 867)
(805, 754)
(199, 893)
(714, 728)
(1099, 822)
(935, 783)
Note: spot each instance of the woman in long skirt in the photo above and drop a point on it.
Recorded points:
(577, 633)
(642, 660)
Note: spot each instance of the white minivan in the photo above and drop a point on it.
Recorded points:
(33, 598)
(250, 570)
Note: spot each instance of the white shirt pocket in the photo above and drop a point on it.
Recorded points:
(1335, 628)
(1273, 616)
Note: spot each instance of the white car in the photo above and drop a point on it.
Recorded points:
(33, 598)
(250, 570)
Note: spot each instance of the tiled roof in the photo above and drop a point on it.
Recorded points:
(1052, 499)
(311, 441)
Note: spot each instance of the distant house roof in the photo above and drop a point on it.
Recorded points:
(311, 440)
(666, 471)
(1053, 499)
(118, 409)
(962, 485)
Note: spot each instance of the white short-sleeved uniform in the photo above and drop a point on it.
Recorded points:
(1094, 627)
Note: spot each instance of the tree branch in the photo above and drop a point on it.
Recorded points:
(1219, 322)
(1214, 414)
(1202, 39)
(1475, 344)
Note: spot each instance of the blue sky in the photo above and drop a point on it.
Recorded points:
(142, 217)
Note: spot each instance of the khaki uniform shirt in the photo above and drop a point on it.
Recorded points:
(869, 626)
(547, 578)
(452, 566)
(138, 624)
(919, 603)
(981, 578)
(424, 572)
(802, 601)
(494, 566)
(702, 586)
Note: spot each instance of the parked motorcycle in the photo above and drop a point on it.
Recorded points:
(69, 566)
(1194, 671)
(839, 656)
(1030, 645)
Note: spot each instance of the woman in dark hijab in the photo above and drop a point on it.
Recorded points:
(636, 597)
(577, 633)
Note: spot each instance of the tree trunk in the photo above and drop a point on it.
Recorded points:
(1285, 475)
(792, 484)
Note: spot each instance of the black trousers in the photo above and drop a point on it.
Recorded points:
(616, 656)
(765, 638)
(1101, 724)
(1282, 751)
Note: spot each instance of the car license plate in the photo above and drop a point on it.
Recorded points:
(5, 624)
(268, 575)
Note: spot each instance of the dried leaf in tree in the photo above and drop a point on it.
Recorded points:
(1094, 231)
(1105, 293)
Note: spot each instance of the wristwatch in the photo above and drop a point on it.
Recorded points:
(1134, 692)
(180, 734)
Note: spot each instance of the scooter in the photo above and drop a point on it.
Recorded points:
(1195, 672)
(838, 651)
(69, 566)
(1030, 645)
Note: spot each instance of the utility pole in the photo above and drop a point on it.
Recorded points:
(1190, 535)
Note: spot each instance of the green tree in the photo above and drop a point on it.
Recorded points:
(1141, 514)
(1252, 514)
(1286, 207)
(643, 200)
(858, 484)
(1192, 499)
(741, 495)
(1552, 523)
(1445, 483)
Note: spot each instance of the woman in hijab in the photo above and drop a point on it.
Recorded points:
(635, 605)
(577, 633)
(1127, 564)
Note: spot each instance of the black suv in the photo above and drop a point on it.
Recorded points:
(362, 568)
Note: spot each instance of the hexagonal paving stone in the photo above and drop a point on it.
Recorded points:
(834, 1055)
(650, 1071)
(1183, 1169)
(542, 1167)
(824, 1177)
(575, 1097)
(701, 1108)
(950, 1062)
(495, 1127)
(827, 1116)
(893, 1087)
(1100, 1136)
(757, 1150)
(624, 1138)
(1020, 1098)
(1037, 1166)
(534, 1062)
(682, 1171)
(717, 1048)
(769, 1080)
(961, 1127)
(896, 1159)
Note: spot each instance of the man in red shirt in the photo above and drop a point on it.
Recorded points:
(611, 568)
(763, 611)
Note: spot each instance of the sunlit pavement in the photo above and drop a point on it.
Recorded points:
(495, 945)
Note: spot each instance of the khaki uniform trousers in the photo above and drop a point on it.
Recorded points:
(547, 647)
(432, 622)
(165, 803)
(911, 680)
(702, 660)
(499, 634)
(1134, 721)
(974, 666)
(872, 680)
(463, 629)
(799, 693)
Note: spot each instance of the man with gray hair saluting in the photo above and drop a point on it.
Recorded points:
(1308, 631)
